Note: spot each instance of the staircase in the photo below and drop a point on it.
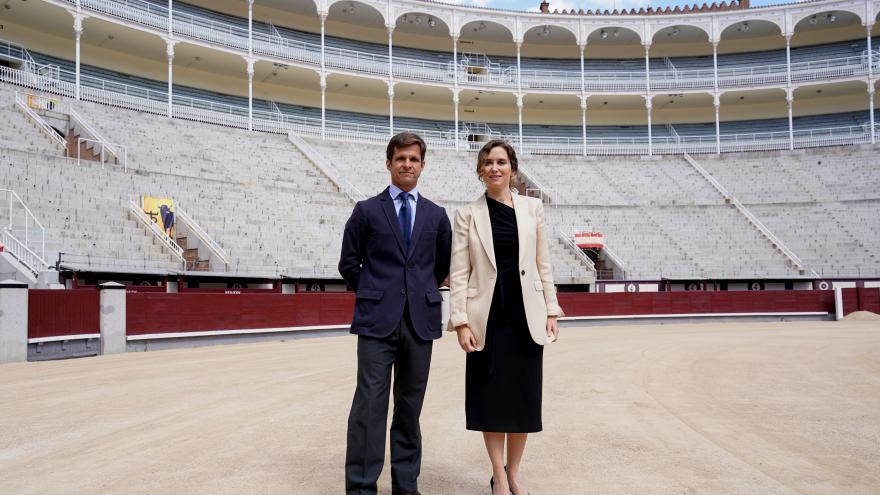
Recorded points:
(777, 243)
(191, 256)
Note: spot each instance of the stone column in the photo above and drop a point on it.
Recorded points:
(112, 318)
(13, 321)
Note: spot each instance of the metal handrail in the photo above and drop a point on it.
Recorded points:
(615, 259)
(45, 127)
(164, 238)
(80, 142)
(231, 35)
(201, 234)
(569, 242)
(794, 258)
(142, 99)
(22, 253)
(95, 135)
(332, 173)
(28, 215)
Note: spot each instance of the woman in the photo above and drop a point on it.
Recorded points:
(504, 309)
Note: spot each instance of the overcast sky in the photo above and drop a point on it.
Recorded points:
(592, 4)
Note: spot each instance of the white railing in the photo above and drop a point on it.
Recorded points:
(570, 244)
(327, 168)
(22, 253)
(788, 253)
(102, 156)
(147, 100)
(22, 103)
(611, 255)
(203, 235)
(544, 192)
(164, 238)
(234, 36)
(23, 224)
(106, 148)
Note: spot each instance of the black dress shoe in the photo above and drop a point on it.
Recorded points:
(406, 493)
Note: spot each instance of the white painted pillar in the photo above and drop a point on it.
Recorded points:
(871, 111)
(648, 96)
(390, 109)
(13, 321)
(584, 122)
(789, 93)
(581, 48)
(112, 318)
(250, 27)
(871, 89)
(323, 82)
(455, 92)
(717, 103)
(77, 30)
(519, 107)
(169, 52)
(518, 69)
(323, 18)
(455, 100)
(789, 98)
(170, 18)
(390, 29)
(788, 60)
(250, 75)
(455, 60)
(715, 65)
(648, 105)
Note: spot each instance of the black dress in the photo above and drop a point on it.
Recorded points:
(503, 381)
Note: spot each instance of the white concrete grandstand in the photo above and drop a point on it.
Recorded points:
(345, 75)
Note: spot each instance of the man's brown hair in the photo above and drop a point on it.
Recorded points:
(402, 140)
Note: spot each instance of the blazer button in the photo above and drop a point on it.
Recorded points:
(523, 272)
(403, 292)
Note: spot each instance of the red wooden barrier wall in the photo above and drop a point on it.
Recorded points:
(70, 312)
(646, 303)
(55, 313)
(189, 312)
(861, 300)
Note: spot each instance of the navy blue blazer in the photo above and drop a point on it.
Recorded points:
(385, 275)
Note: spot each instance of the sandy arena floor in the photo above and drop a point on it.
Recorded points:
(759, 408)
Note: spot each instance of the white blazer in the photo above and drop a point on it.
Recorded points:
(473, 273)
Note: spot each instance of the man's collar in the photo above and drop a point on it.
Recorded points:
(395, 191)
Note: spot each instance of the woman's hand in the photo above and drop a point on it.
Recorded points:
(466, 338)
(552, 328)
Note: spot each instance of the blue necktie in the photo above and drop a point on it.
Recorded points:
(404, 218)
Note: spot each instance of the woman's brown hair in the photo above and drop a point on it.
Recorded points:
(511, 156)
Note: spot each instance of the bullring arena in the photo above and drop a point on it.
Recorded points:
(175, 177)
(783, 407)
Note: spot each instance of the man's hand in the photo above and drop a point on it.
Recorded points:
(466, 338)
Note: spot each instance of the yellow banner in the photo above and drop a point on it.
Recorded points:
(161, 211)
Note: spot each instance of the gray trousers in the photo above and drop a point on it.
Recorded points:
(409, 357)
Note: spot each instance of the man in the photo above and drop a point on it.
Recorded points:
(395, 252)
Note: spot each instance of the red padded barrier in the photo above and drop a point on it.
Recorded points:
(198, 312)
(861, 300)
(56, 313)
(690, 302)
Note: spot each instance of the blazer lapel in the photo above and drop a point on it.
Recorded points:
(388, 208)
(419, 223)
(484, 228)
(521, 209)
